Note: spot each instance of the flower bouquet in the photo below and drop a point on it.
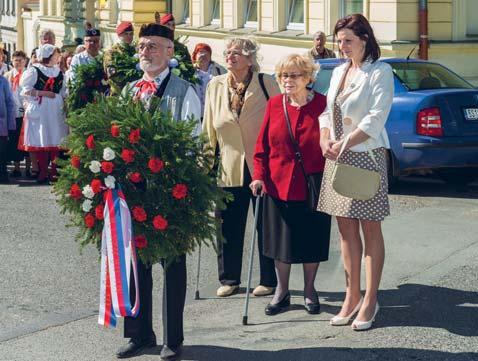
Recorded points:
(162, 170)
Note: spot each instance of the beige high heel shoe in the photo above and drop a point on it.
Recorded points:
(342, 321)
(365, 325)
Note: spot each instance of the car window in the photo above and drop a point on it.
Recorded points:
(421, 76)
(322, 81)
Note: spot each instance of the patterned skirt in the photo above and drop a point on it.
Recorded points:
(374, 209)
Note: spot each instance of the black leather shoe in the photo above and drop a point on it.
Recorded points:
(312, 308)
(169, 353)
(135, 346)
(274, 309)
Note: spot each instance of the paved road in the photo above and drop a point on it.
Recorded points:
(429, 297)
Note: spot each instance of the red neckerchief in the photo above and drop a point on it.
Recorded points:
(16, 81)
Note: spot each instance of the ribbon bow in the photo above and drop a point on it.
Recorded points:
(49, 84)
(146, 86)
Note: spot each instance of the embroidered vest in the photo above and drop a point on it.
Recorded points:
(42, 80)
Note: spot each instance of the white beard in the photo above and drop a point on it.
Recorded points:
(147, 66)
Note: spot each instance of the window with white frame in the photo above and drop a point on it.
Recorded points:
(186, 18)
(250, 20)
(348, 7)
(216, 12)
(295, 15)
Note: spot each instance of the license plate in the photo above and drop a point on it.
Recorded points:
(471, 113)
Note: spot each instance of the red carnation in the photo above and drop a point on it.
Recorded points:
(75, 161)
(97, 83)
(135, 177)
(180, 191)
(155, 164)
(128, 155)
(99, 211)
(89, 220)
(139, 214)
(140, 242)
(115, 130)
(75, 191)
(90, 142)
(134, 136)
(96, 185)
(107, 167)
(160, 223)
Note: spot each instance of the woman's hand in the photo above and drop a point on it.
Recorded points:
(46, 93)
(257, 187)
(329, 148)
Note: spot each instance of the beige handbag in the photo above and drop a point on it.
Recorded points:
(354, 182)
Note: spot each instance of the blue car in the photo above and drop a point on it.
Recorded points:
(433, 123)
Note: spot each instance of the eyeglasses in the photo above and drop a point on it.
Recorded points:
(232, 53)
(152, 48)
(291, 76)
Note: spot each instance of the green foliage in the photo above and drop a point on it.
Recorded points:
(191, 220)
(88, 81)
(121, 67)
(185, 68)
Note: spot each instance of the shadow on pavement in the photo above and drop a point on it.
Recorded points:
(417, 305)
(429, 186)
(217, 353)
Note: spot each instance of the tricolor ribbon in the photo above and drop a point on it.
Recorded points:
(118, 253)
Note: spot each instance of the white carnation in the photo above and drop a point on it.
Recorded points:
(110, 181)
(95, 166)
(88, 191)
(108, 154)
(87, 205)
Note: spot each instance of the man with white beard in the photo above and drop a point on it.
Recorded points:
(177, 95)
(155, 48)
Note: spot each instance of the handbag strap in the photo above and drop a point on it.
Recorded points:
(297, 153)
(342, 148)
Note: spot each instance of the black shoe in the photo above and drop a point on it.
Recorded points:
(135, 346)
(274, 309)
(16, 174)
(312, 308)
(169, 353)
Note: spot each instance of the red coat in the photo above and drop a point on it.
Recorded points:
(274, 160)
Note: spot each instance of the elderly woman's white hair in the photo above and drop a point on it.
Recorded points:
(249, 47)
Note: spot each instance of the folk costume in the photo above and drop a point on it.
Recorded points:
(44, 127)
(178, 98)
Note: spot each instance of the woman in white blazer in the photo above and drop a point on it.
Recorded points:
(358, 103)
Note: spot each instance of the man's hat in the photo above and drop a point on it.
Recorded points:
(156, 30)
(123, 27)
(92, 32)
(166, 18)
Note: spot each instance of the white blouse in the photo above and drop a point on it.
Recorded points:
(30, 77)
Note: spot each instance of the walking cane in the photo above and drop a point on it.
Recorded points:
(196, 296)
(251, 259)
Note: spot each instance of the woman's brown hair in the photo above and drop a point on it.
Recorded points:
(361, 28)
(47, 60)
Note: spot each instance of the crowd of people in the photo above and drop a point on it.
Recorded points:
(271, 136)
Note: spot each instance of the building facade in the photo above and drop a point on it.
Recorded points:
(281, 26)
(285, 26)
(8, 25)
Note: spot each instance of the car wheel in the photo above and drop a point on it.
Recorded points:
(392, 179)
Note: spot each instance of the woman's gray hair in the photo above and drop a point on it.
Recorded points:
(45, 32)
(249, 47)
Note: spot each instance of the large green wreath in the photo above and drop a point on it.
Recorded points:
(161, 168)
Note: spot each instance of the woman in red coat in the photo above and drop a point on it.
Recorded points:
(292, 232)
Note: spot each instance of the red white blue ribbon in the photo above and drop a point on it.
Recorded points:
(118, 254)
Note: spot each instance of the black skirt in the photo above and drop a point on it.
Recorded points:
(294, 234)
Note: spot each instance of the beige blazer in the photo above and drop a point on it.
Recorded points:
(236, 138)
(365, 103)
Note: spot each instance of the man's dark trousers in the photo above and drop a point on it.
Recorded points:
(174, 296)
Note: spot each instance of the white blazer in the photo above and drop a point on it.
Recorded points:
(365, 103)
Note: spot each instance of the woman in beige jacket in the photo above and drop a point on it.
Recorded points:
(233, 114)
